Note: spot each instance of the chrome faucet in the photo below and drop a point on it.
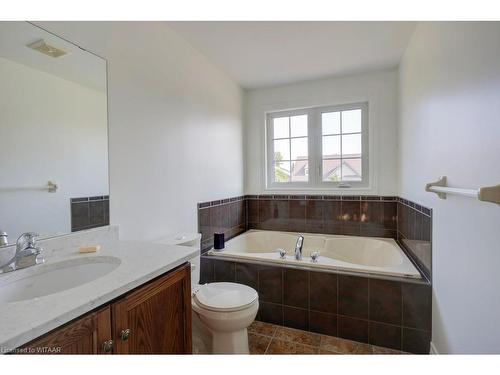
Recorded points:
(27, 253)
(298, 247)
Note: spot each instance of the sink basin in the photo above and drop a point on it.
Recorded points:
(50, 278)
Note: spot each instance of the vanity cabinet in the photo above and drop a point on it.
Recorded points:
(154, 318)
(85, 335)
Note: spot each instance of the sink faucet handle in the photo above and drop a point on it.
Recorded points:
(26, 240)
(31, 238)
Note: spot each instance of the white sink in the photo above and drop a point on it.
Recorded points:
(50, 278)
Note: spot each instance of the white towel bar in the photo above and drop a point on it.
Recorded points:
(51, 187)
(486, 194)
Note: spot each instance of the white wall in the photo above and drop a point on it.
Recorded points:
(175, 130)
(450, 125)
(378, 88)
(50, 129)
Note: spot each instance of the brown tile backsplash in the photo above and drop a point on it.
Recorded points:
(315, 216)
(351, 215)
(375, 216)
(89, 212)
(414, 234)
(227, 215)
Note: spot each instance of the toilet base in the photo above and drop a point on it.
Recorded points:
(230, 342)
(222, 333)
(202, 337)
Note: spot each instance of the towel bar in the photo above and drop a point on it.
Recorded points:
(486, 194)
(51, 187)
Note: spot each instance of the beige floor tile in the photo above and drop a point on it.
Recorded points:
(336, 344)
(257, 343)
(323, 351)
(381, 350)
(272, 339)
(298, 336)
(364, 349)
(262, 328)
(288, 347)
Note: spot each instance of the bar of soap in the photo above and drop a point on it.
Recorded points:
(90, 249)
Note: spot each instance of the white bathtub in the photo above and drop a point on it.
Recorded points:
(349, 253)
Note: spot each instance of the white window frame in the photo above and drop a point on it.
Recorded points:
(314, 134)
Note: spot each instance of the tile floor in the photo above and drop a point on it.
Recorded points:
(265, 338)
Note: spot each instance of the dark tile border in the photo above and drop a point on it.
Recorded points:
(221, 201)
(383, 198)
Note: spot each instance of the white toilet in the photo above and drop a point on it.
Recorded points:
(221, 311)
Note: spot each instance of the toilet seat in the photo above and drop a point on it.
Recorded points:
(225, 297)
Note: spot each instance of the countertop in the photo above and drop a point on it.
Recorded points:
(24, 321)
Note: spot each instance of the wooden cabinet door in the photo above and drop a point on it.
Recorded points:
(155, 318)
(85, 335)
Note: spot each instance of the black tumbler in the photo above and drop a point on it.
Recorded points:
(218, 241)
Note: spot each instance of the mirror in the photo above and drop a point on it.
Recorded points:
(53, 134)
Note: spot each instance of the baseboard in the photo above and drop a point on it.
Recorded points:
(433, 349)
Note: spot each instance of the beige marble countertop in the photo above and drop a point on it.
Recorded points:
(23, 321)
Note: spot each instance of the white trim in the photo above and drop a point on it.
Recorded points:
(433, 349)
(315, 138)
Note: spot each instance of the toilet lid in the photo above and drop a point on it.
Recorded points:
(225, 296)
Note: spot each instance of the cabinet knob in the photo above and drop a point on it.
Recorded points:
(107, 346)
(125, 334)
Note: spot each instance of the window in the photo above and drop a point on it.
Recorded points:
(290, 148)
(330, 140)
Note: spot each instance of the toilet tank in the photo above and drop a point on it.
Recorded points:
(189, 240)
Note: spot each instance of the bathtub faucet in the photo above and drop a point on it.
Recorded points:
(298, 247)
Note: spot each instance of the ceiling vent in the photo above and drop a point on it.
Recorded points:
(46, 49)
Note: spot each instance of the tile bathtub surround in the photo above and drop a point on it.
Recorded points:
(415, 234)
(385, 313)
(226, 215)
(347, 215)
(89, 212)
(373, 216)
(330, 214)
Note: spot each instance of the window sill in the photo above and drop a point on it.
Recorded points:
(319, 190)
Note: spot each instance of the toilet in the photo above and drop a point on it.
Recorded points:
(222, 311)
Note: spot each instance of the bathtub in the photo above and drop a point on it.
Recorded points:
(342, 253)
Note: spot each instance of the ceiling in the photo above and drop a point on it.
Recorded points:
(77, 65)
(260, 54)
